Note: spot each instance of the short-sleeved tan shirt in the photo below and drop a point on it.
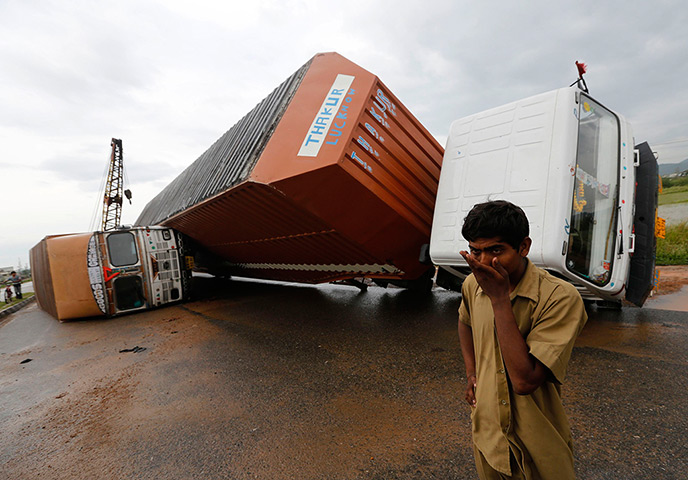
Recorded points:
(550, 314)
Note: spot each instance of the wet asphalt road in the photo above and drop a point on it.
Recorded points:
(281, 381)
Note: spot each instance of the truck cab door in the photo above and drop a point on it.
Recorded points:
(127, 283)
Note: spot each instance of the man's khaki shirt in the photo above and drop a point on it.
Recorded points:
(550, 314)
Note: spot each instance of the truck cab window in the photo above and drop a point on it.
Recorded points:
(122, 249)
(594, 213)
(129, 293)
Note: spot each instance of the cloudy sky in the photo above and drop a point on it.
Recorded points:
(169, 77)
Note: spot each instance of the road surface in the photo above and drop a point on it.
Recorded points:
(674, 213)
(282, 381)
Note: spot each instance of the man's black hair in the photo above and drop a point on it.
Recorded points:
(498, 218)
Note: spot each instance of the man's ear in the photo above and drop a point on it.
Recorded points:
(525, 247)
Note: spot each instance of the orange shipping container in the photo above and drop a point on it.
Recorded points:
(328, 178)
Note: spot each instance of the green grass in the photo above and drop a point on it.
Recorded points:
(673, 250)
(674, 194)
(674, 182)
(14, 301)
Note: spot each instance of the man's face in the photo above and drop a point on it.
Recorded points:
(484, 250)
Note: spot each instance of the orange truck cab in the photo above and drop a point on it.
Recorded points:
(110, 273)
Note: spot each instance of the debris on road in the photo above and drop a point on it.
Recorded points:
(136, 349)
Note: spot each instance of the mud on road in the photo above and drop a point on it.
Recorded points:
(672, 278)
(277, 381)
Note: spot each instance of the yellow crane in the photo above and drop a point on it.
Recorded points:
(112, 199)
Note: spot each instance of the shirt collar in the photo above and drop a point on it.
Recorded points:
(528, 286)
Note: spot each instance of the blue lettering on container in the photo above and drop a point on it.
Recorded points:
(363, 163)
(310, 139)
(364, 143)
(378, 117)
(323, 117)
(391, 108)
(337, 127)
(335, 131)
(318, 129)
(332, 102)
(373, 132)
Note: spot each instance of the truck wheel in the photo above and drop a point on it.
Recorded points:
(609, 304)
(448, 281)
(420, 284)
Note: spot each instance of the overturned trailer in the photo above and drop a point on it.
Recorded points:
(328, 178)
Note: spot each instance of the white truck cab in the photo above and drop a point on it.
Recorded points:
(571, 165)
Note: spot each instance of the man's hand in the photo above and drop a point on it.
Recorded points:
(470, 390)
(493, 279)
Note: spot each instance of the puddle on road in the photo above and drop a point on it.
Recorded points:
(677, 302)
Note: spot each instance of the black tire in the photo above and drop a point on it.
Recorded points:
(609, 304)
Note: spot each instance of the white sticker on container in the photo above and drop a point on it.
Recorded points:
(325, 116)
(94, 274)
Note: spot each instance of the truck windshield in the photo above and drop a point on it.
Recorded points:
(122, 249)
(593, 216)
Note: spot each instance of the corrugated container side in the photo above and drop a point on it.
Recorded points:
(263, 230)
(248, 213)
(228, 161)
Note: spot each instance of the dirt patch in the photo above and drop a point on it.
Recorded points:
(672, 278)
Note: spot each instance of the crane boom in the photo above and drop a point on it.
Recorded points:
(112, 199)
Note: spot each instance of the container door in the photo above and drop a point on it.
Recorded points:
(641, 275)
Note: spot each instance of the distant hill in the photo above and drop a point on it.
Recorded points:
(669, 168)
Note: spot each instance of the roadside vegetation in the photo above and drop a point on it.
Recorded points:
(14, 301)
(673, 249)
(674, 190)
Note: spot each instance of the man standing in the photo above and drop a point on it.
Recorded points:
(517, 327)
(16, 282)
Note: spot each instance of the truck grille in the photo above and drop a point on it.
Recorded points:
(168, 265)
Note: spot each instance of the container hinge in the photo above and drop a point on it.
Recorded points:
(636, 157)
